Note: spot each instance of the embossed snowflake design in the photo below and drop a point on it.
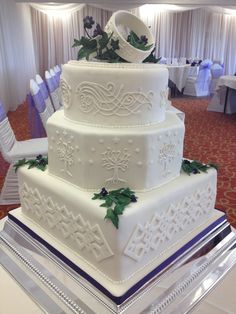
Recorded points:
(65, 151)
(166, 156)
(75, 229)
(109, 100)
(115, 160)
(65, 93)
(163, 228)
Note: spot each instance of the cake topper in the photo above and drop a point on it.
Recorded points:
(125, 39)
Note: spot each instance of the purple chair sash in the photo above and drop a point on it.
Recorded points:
(39, 102)
(206, 64)
(57, 78)
(2, 112)
(35, 123)
(51, 84)
(44, 90)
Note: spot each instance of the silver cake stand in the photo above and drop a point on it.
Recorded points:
(58, 288)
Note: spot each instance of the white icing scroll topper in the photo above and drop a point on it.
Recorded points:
(108, 100)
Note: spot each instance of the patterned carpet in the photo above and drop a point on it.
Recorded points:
(209, 137)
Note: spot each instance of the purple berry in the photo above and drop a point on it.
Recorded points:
(195, 171)
(133, 198)
(103, 192)
(186, 162)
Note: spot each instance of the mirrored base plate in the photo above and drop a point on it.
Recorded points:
(58, 288)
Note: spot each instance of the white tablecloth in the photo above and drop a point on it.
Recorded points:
(178, 74)
(12, 297)
(217, 102)
(226, 80)
(193, 71)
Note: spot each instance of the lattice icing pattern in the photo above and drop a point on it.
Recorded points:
(165, 225)
(73, 228)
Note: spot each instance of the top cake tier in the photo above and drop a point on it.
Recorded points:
(114, 94)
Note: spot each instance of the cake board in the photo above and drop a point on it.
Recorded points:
(56, 285)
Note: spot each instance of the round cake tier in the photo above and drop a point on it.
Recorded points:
(91, 157)
(114, 94)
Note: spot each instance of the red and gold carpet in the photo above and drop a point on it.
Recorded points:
(209, 136)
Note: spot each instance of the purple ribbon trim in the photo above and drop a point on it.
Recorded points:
(120, 299)
(2, 112)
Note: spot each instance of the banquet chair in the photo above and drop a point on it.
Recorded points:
(39, 103)
(13, 150)
(57, 71)
(174, 61)
(163, 60)
(217, 71)
(55, 78)
(199, 85)
(182, 60)
(54, 90)
(43, 88)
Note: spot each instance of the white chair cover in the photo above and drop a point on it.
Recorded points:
(163, 60)
(200, 85)
(12, 150)
(53, 90)
(55, 78)
(7, 138)
(174, 61)
(217, 71)
(182, 60)
(57, 72)
(44, 91)
(39, 103)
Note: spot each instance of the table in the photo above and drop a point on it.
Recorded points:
(219, 301)
(224, 98)
(178, 75)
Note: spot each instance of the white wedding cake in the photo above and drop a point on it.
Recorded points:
(115, 132)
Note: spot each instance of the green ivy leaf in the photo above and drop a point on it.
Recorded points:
(115, 201)
(76, 43)
(151, 58)
(85, 53)
(115, 44)
(113, 217)
(19, 163)
(135, 41)
(118, 209)
(103, 41)
(39, 162)
(195, 167)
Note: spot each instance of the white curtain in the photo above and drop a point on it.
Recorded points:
(199, 32)
(54, 33)
(32, 41)
(17, 61)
